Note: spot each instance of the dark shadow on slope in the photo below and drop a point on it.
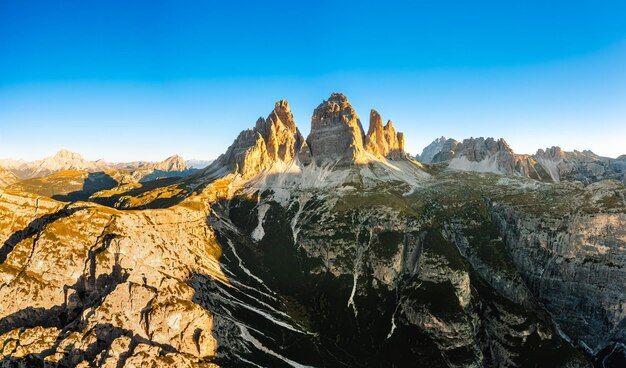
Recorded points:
(160, 174)
(123, 200)
(312, 299)
(34, 228)
(95, 182)
(318, 300)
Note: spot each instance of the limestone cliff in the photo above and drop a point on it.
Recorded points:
(551, 164)
(384, 141)
(336, 132)
(275, 139)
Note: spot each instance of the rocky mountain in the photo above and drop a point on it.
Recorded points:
(62, 160)
(583, 166)
(107, 183)
(553, 164)
(65, 160)
(336, 138)
(336, 132)
(272, 140)
(434, 148)
(288, 252)
(172, 163)
(384, 141)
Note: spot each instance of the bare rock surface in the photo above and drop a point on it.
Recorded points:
(384, 141)
(336, 132)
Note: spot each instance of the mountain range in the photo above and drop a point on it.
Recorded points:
(68, 160)
(551, 164)
(334, 250)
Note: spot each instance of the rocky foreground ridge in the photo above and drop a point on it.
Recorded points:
(292, 252)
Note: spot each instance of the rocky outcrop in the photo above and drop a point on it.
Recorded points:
(336, 132)
(83, 283)
(336, 137)
(272, 140)
(575, 265)
(431, 150)
(446, 152)
(384, 141)
(7, 178)
(482, 155)
(584, 166)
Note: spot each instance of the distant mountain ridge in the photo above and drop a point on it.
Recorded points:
(68, 160)
(496, 156)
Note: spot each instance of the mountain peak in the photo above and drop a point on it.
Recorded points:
(336, 136)
(172, 163)
(336, 131)
(338, 97)
(383, 141)
(282, 115)
(67, 154)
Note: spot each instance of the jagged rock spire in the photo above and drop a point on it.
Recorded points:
(273, 139)
(384, 141)
(336, 136)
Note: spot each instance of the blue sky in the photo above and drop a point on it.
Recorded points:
(129, 80)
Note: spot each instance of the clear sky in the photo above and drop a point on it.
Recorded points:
(130, 80)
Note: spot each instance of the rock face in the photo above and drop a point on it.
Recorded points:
(434, 148)
(384, 141)
(110, 290)
(336, 132)
(447, 151)
(275, 139)
(336, 138)
(552, 164)
(572, 272)
(485, 155)
(581, 166)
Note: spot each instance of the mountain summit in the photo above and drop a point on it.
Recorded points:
(172, 163)
(337, 138)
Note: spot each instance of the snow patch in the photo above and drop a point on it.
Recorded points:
(258, 233)
(243, 268)
(245, 334)
(393, 322)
